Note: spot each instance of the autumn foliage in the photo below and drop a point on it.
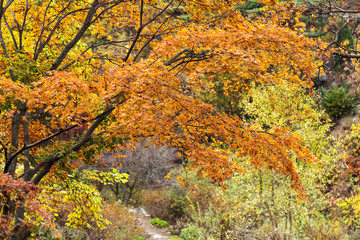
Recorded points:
(120, 70)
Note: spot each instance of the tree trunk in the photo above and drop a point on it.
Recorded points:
(15, 127)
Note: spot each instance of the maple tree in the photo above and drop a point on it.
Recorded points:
(78, 77)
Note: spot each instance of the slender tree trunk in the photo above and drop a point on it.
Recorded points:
(25, 125)
(15, 128)
(290, 224)
(261, 186)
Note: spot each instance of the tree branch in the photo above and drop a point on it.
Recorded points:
(142, 26)
(25, 147)
(47, 164)
(39, 44)
(157, 30)
(27, 8)
(5, 150)
(44, 167)
(2, 41)
(86, 24)
(347, 55)
(11, 32)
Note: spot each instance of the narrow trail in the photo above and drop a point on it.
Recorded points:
(151, 232)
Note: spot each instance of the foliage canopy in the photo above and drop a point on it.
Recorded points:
(78, 77)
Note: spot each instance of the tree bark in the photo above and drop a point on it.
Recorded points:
(15, 127)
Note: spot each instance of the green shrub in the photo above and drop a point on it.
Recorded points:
(139, 238)
(190, 233)
(337, 101)
(175, 238)
(159, 223)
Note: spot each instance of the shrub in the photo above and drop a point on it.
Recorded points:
(121, 224)
(158, 204)
(139, 238)
(352, 146)
(147, 165)
(202, 203)
(337, 101)
(175, 238)
(351, 210)
(76, 208)
(124, 225)
(190, 233)
(159, 223)
(325, 230)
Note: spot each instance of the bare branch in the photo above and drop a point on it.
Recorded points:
(347, 55)
(337, 34)
(11, 32)
(155, 33)
(40, 44)
(27, 8)
(90, 47)
(2, 41)
(142, 26)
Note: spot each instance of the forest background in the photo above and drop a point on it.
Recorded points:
(228, 119)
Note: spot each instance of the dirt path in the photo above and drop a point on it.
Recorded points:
(151, 232)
